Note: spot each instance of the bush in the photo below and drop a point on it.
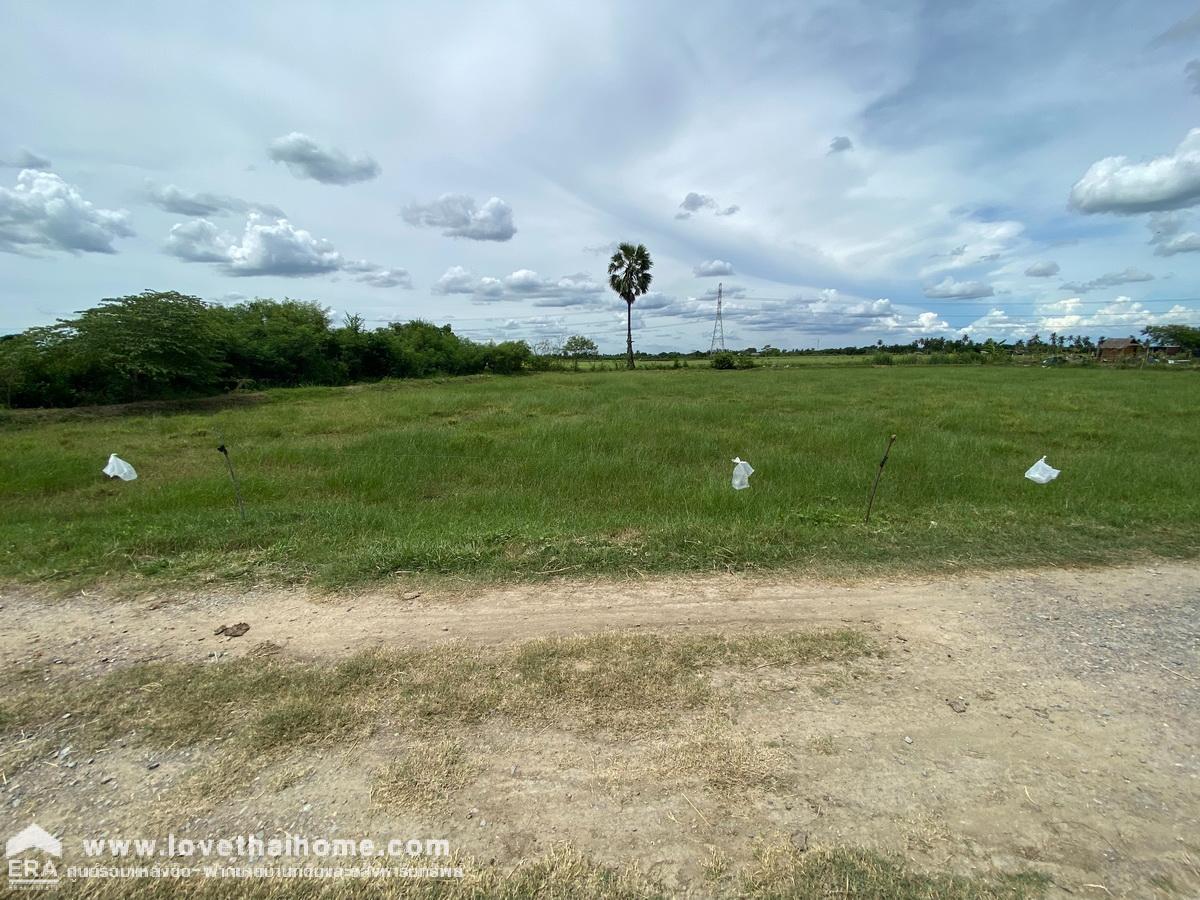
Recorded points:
(166, 345)
(881, 359)
(724, 360)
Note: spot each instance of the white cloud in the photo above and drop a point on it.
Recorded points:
(1123, 313)
(1111, 279)
(272, 247)
(712, 268)
(1116, 184)
(569, 290)
(44, 211)
(1168, 237)
(840, 144)
(456, 213)
(305, 158)
(26, 159)
(949, 289)
(1121, 316)
(377, 276)
(192, 203)
(1043, 269)
(694, 202)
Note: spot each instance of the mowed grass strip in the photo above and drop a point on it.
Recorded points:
(780, 871)
(254, 707)
(613, 473)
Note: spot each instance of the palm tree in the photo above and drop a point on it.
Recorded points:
(629, 275)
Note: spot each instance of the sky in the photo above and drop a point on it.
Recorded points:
(847, 172)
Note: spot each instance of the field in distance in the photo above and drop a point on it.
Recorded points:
(582, 473)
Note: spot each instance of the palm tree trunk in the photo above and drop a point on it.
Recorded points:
(628, 334)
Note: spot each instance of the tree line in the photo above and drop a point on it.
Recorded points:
(165, 345)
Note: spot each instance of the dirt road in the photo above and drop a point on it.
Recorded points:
(1046, 720)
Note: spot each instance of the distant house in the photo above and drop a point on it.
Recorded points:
(1118, 348)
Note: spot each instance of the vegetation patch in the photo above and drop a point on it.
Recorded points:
(781, 871)
(544, 476)
(430, 773)
(255, 709)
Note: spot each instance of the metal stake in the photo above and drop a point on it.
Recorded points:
(237, 491)
(878, 475)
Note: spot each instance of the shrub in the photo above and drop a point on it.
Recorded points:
(881, 359)
(724, 360)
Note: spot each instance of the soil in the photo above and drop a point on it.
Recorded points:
(1020, 720)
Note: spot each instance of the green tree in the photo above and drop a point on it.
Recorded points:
(578, 347)
(1185, 336)
(144, 346)
(629, 275)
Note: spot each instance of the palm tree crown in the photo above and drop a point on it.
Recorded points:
(629, 271)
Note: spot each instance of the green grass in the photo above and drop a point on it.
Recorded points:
(613, 473)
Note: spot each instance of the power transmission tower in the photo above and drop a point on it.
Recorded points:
(718, 338)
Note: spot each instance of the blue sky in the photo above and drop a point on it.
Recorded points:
(848, 171)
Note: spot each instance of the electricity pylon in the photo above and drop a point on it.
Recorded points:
(718, 338)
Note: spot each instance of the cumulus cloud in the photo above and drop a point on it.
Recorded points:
(44, 211)
(949, 289)
(26, 159)
(712, 268)
(305, 158)
(1121, 316)
(694, 203)
(377, 276)
(457, 216)
(1123, 313)
(568, 290)
(272, 247)
(1111, 279)
(1117, 184)
(827, 313)
(1044, 269)
(191, 203)
(1168, 237)
(840, 144)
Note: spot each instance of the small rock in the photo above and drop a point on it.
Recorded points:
(959, 705)
(907, 739)
(153, 765)
(800, 840)
(106, 779)
(235, 630)
(412, 595)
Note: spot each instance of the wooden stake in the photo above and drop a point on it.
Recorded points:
(878, 475)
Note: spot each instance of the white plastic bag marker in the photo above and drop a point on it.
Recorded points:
(118, 468)
(1042, 473)
(741, 474)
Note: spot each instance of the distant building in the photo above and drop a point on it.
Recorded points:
(1118, 348)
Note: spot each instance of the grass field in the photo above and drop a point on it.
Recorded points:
(615, 473)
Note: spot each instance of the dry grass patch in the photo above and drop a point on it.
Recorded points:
(726, 763)
(429, 774)
(254, 710)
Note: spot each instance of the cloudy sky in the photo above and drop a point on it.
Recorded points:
(848, 171)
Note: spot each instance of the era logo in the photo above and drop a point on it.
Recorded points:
(30, 855)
